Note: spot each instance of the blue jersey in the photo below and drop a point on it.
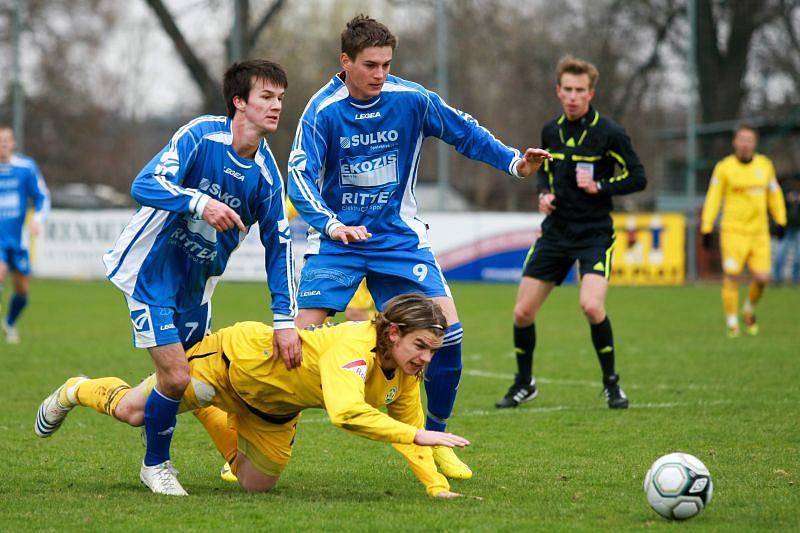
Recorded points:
(354, 162)
(20, 184)
(168, 256)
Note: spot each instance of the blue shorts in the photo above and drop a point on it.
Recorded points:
(158, 326)
(16, 259)
(329, 281)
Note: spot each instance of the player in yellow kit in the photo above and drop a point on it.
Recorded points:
(745, 182)
(349, 370)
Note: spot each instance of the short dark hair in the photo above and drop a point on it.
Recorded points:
(572, 65)
(365, 32)
(240, 77)
(744, 126)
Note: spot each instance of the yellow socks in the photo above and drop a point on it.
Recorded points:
(225, 438)
(756, 291)
(730, 301)
(101, 394)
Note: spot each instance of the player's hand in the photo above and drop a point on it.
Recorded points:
(780, 232)
(586, 181)
(221, 217)
(447, 495)
(35, 228)
(286, 344)
(547, 203)
(531, 160)
(706, 241)
(438, 438)
(348, 234)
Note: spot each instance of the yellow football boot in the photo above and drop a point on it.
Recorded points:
(450, 465)
(750, 325)
(227, 474)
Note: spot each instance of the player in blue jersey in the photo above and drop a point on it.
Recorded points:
(21, 183)
(352, 173)
(200, 195)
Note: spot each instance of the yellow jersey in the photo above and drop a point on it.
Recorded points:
(340, 373)
(748, 191)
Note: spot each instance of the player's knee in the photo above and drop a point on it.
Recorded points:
(130, 414)
(524, 316)
(258, 483)
(175, 380)
(594, 310)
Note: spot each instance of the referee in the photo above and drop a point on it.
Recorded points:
(575, 191)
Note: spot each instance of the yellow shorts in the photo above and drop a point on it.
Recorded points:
(362, 299)
(267, 445)
(739, 249)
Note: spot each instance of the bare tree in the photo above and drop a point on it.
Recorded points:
(246, 39)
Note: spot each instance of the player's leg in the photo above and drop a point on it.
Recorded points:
(759, 265)
(20, 270)
(156, 330)
(403, 272)
(361, 305)
(3, 273)
(263, 450)
(531, 294)
(545, 266)
(593, 292)
(595, 259)
(734, 250)
(793, 237)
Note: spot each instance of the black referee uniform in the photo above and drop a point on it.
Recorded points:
(580, 228)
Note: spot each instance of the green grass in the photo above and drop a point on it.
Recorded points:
(562, 462)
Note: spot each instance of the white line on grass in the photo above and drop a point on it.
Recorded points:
(586, 383)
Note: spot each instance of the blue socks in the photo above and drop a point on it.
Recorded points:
(160, 417)
(442, 378)
(18, 303)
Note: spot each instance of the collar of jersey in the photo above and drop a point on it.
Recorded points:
(363, 104)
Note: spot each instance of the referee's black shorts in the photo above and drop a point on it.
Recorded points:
(562, 243)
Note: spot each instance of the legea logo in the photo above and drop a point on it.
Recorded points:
(238, 175)
(367, 139)
(362, 116)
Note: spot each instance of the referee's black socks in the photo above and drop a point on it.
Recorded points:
(524, 343)
(603, 340)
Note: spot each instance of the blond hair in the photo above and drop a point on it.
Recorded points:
(572, 65)
(409, 312)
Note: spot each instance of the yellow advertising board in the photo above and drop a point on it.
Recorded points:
(649, 249)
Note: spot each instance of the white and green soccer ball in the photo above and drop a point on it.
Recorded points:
(678, 486)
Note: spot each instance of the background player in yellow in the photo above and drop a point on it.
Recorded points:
(349, 370)
(745, 183)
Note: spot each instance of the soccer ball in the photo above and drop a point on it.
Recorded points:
(678, 486)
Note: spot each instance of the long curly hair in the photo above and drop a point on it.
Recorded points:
(409, 312)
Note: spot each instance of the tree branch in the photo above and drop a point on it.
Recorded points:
(197, 69)
(252, 35)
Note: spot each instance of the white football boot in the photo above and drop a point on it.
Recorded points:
(52, 412)
(162, 479)
(12, 335)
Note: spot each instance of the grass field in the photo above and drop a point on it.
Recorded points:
(562, 462)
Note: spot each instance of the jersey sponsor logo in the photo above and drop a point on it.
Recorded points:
(368, 171)
(362, 116)
(358, 367)
(141, 321)
(391, 395)
(165, 327)
(368, 139)
(364, 201)
(238, 175)
(215, 190)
